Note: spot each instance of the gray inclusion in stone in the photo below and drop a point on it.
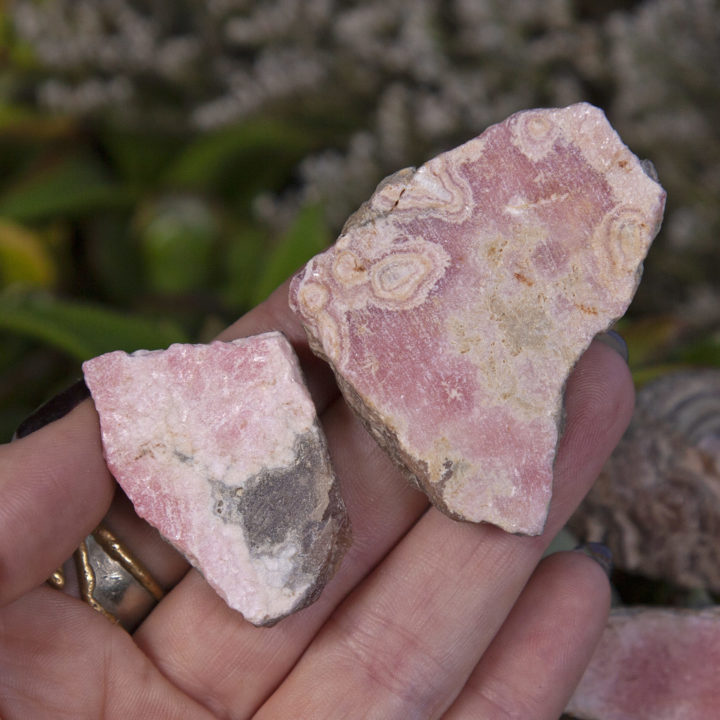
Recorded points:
(277, 502)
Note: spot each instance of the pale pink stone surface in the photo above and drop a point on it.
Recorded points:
(218, 446)
(653, 664)
(456, 301)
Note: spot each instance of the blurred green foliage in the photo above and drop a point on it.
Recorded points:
(82, 330)
(112, 238)
(117, 234)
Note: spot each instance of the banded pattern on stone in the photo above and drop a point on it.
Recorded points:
(656, 503)
(653, 664)
(219, 447)
(458, 298)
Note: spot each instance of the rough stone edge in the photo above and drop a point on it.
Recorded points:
(415, 470)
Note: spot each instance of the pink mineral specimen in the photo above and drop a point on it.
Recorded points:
(219, 447)
(656, 502)
(653, 664)
(456, 301)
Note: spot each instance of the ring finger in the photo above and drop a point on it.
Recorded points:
(409, 637)
(536, 660)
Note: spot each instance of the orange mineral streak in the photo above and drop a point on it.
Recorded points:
(458, 298)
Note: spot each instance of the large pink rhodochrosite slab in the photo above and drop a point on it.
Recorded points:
(458, 298)
(218, 446)
(653, 664)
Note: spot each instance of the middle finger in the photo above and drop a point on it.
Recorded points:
(233, 667)
(404, 643)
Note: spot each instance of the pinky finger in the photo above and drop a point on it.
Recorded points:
(534, 663)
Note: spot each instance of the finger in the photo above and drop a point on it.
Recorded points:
(381, 508)
(404, 643)
(534, 663)
(237, 666)
(60, 659)
(56, 487)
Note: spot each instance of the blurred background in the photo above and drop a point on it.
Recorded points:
(164, 165)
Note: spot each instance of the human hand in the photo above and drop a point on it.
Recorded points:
(426, 617)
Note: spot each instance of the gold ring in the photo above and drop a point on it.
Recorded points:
(111, 579)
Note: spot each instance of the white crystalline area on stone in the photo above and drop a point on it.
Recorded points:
(219, 447)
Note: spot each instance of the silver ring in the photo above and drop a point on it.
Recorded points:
(112, 580)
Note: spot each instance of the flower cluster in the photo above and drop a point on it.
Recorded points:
(404, 79)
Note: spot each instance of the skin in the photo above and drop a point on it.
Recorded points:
(427, 618)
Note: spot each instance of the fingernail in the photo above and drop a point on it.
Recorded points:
(53, 409)
(615, 340)
(600, 553)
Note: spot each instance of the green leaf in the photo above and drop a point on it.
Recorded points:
(177, 239)
(141, 158)
(644, 375)
(308, 236)
(243, 255)
(26, 123)
(24, 259)
(649, 339)
(81, 330)
(115, 263)
(71, 187)
(703, 349)
(254, 154)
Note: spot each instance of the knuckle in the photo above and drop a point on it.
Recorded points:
(388, 656)
(499, 701)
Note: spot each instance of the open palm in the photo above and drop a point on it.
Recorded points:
(426, 618)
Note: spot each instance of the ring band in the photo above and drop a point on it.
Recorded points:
(112, 580)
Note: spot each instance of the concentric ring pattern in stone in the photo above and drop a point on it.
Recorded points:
(458, 298)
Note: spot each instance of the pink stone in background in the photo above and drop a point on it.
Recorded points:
(653, 664)
(456, 301)
(219, 447)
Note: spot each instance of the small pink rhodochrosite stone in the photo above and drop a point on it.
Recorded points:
(219, 447)
(456, 301)
(653, 664)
